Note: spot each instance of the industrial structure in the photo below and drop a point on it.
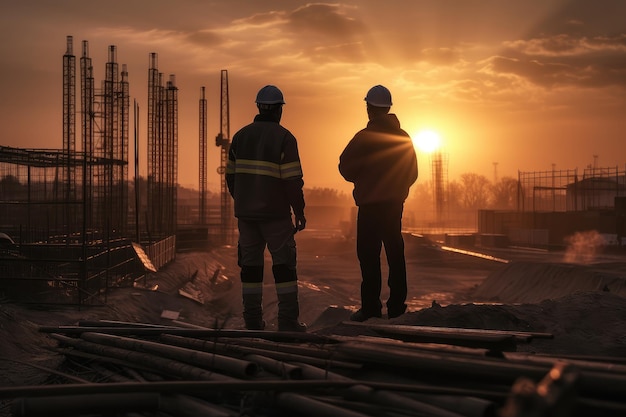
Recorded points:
(202, 162)
(439, 169)
(68, 210)
(222, 140)
(553, 205)
(162, 153)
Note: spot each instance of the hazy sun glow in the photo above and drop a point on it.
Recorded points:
(427, 141)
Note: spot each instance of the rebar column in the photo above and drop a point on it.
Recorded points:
(203, 158)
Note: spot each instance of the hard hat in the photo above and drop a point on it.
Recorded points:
(378, 96)
(270, 94)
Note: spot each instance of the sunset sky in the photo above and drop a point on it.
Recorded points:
(508, 85)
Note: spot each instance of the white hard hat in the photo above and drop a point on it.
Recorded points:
(270, 94)
(378, 96)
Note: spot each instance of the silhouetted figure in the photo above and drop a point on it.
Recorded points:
(380, 160)
(264, 176)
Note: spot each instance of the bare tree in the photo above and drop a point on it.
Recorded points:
(475, 191)
(504, 193)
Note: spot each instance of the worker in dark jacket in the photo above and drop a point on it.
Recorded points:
(264, 177)
(380, 160)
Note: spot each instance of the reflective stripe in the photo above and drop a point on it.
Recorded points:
(270, 169)
(230, 166)
(286, 287)
(252, 288)
(291, 169)
(249, 166)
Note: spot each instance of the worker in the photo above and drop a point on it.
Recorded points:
(264, 177)
(381, 162)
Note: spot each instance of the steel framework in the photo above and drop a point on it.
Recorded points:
(564, 190)
(68, 209)
(202, 153)
(222, 140)
(439, 168)
(162, 153)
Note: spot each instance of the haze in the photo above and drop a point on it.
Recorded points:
(523, 86)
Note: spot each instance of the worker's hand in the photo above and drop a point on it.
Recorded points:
(300, 223)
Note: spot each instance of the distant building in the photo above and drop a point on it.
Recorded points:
(595, 193)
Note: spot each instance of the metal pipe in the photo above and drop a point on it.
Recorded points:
(102, 403)
(595, 383)
(466, 406)
(306, 406)
(117, 323)
(145, 359)
(202, 387)
(437, 347)
(276, 367)
(224, 348)
(325, 352)
(186, 406)
(367, 394)
(208, 333)
(227, 364)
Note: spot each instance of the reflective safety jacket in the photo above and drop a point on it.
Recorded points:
(380, 160)
(263, 171)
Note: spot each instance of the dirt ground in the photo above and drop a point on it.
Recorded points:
(583, 306)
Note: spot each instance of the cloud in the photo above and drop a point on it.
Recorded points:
(329, 21)
(566, 61)
(316, 32)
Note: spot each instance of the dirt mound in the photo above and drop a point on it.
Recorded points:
(588, 323)
(532, 282)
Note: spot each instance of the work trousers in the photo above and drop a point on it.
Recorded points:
(377, 225)
(278, 237)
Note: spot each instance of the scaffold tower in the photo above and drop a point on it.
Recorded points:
(69, 113)
(202, 153)
(439, 168)
(162, 153)
(222, 140)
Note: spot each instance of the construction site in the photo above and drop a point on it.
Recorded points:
(73, 221)
(508, 329)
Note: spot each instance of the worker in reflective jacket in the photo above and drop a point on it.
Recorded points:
(265, 179)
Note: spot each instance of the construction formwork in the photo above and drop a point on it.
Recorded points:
(555, 205)
(67, 211)
(544, 190)
(59, 255)
(565, 190)
(161, 212)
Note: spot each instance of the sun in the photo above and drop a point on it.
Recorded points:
(427, 141)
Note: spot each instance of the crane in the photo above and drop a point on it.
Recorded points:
(222, 140)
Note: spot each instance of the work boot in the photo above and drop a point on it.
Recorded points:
(252, 293)
(287, 291)
(361, 315)
(393, 312)
(253, 311)
(288, 312)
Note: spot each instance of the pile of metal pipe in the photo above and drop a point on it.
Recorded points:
(216, 372)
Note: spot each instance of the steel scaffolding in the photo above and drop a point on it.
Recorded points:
(544, 190)
(439, 168)
(222, 140)
(162, 153)
(69, 114)
(202, 163)
(67, 209)
(563, 190)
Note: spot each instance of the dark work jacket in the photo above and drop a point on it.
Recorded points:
(263, 171)
(380, 160)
